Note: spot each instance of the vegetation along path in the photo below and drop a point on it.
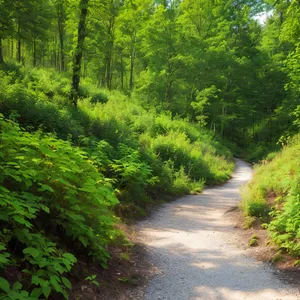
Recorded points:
(189, 242)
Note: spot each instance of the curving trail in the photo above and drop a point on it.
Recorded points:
(188, 241)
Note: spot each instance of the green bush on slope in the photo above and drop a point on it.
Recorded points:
(275, 193)
(174, 149)
(58, 197)
(53, 201)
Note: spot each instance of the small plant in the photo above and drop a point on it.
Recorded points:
(92, 279)
(123, 279)
(125, 256)
(253, 241)
(248, 222)
(258, 209)
(264, 226)
(277, 257)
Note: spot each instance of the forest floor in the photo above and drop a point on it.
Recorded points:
(194, 248)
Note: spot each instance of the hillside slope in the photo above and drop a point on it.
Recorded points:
(274, 196)
(66, 174)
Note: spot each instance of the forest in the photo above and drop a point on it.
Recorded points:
(110, 107)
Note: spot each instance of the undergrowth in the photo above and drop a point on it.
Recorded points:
(274, 196)
(66, 174)
(54, 203)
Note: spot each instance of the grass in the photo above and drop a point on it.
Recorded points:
(274, 196)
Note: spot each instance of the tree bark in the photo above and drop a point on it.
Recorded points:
(122, 71)
(12, 48)
(131, 69)
(61, 31)
(34, 52)
(132, 60)
(1, 54)
(19, 41)
(109, 53)
(79, 51)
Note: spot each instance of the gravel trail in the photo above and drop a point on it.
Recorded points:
(190, 243)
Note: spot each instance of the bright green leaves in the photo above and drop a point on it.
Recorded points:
(4, 256)
(46, 290)
(274, 195)
(32, 251)
(204, 98)
(134, 174)
(13, 293)
(48, 183)
(4, 285)
(67, 283)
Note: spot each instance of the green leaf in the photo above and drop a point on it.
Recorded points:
(22, 221)
(17, 286)
(46, 291)
(70, 257)
(45, 187)
(95, 282)
(45, 208)
(32, 251)
(4, 215)
(54, 283)
(59, 268)
(3, 260)
(67, 283)
(4, 285)
(35, 280)
(36, 293)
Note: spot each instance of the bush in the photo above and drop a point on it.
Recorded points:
(35, 112)
(275, 188)
(257, 209)
(53, 200)
(39, 100)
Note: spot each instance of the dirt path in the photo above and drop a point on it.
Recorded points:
(191, 244)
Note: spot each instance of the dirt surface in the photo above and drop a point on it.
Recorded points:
(197, 253)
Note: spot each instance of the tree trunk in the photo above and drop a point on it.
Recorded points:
(131, 69)
(19, 41)
(122, 72)
(132, 60)
(12, 49)
(109, 53)
(108, 70)
(60, 23)
(34, 52)
(1, 54)
(79, 51)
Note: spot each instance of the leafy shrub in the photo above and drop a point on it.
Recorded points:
(276, 188)
(253, 241)
(285, 227)
(52, 200)
(39, 99)
(34, 112)
(257, 209)
(99, 97)
(271, 156)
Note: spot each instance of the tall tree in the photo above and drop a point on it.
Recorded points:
(133, 16)
(6, 24)
(61, 20)
(81, 34)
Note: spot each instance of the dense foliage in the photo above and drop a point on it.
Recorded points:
(108, 106)
(60, 196)
(273, 195)
(53, 199)
(208, 61)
